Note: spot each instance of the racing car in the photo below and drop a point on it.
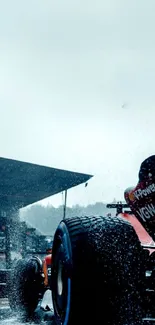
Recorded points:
(30, 279)
(103, 267)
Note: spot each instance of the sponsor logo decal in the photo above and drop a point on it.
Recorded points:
(140, 193)
(147, 212)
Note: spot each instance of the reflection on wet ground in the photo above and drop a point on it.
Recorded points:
(7, 317)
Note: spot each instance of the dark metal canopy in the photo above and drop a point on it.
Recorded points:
(23, 183)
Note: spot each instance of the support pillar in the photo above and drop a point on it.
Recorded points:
(7, 243)
(65, 203)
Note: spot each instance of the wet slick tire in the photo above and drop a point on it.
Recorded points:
(25, 287)
(97, 272)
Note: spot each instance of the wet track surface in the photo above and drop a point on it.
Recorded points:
(7, 317)
(14, 320)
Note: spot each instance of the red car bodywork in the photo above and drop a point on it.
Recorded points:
(47, 262)
(142, 234)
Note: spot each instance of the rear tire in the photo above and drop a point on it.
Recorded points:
(97, 272)
(25, 287)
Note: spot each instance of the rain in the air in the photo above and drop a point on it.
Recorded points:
(77, 164)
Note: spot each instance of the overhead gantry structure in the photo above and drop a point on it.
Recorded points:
(23, 183)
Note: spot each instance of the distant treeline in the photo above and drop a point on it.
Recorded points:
(46, 219)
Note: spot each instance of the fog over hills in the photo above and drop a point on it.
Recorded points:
(47, 218)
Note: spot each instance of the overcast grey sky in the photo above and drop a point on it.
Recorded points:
(66, 70)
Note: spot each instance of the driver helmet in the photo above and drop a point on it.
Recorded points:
(49, 248)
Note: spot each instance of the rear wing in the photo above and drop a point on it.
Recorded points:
(119, 206)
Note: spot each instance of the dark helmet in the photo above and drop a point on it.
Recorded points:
(147, 169)
(49, 247)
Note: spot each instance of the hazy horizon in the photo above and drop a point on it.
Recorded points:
(77, 90)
